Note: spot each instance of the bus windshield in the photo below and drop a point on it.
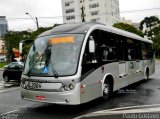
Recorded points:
(55, 55)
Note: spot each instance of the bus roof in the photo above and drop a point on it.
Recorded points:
(84, 27)
(70, 28)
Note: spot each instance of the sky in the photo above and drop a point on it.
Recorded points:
(49, 12)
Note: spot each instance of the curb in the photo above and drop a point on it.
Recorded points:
(10, 85)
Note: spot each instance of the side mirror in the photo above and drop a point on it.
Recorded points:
(91, 45)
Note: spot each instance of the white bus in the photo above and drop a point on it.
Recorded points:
(76, 63)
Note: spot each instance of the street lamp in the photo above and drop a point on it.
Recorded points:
(35, 20)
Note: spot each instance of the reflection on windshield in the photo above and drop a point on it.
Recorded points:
(54, 55)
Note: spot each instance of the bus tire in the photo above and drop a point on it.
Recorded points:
(146, 75)
(107, 90)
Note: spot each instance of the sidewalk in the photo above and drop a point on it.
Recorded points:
(4, 85)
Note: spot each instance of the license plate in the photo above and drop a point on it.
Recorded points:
(35, 85)
(51, 85)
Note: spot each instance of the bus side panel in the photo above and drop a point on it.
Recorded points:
(135, 73)
(93, 82)
(91, 87)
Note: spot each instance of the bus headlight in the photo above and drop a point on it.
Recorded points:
(69, 87)
(22, 85)
(66, 88)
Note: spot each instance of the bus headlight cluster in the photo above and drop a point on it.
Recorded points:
(23, 85)
(69, 87)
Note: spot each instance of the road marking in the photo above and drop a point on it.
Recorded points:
(8, 112)
(9, 90)
(1, 83)
(124, 110)
(129, 107)
(144, 110)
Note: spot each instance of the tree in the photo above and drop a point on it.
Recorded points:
(12, 39)
(151, 27)
(156, 39)
(128, 28)
(147, 24)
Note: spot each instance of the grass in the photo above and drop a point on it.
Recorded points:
(2, 64)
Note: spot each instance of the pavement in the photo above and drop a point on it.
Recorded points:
(10, 84)
(136, 112)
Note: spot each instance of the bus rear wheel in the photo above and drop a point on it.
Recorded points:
(107, 90)
(147, 74)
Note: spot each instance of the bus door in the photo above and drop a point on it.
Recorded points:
(131, 72)
(91, 87)
(131, 53)
(139, 69)
(123, 74)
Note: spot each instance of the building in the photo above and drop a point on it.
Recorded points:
(3, 26)
(102, 11)
(3, 30)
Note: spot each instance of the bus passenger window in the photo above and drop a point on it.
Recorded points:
(107, 47)
(105, 54)
(131, 46)
(111, 54)
(129, 55)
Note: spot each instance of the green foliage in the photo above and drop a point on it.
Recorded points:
(153, 25)
(12, 39)
(39, 31)
(150, 23)
(128, 28)
(2, 64)
(156, 40)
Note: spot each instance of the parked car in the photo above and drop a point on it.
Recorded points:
(13, 71)
(3, 58)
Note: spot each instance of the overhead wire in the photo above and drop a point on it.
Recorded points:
(56, 17)
(86, 15)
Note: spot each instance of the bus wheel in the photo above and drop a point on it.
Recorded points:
(147, 73)
(107, 90)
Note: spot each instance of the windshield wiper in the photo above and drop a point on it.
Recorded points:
(28, 74)
(48, 60)
(54, 71)
(34, 49)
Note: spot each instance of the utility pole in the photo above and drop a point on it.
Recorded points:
(35, 20)
(82, 14)
(37, 23)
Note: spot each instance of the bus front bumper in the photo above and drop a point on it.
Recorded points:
(66, 98)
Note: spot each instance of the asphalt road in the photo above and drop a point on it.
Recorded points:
(140, 100)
